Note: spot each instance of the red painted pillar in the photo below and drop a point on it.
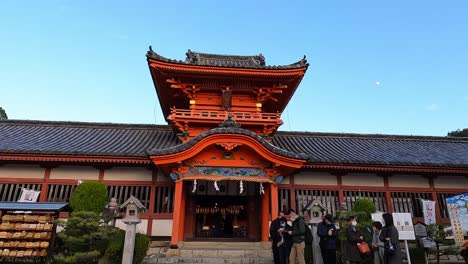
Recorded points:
(292, 193)
(45, 186)
(265, 211)
(341, 197)
(436, 200)
(274, 201)
(177, 213)
(388, 195)
(182, 215)
(149, 229)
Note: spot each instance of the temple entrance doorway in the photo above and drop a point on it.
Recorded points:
(225, 214)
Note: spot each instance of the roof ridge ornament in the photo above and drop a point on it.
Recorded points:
(229, 122)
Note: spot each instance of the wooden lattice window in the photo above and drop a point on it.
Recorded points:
(10, 192)
(409, 202)
(328, 198)
(283, 200)
(164, 202)
(60, 192)
(122, 193)
(441, 197)
(378, 198)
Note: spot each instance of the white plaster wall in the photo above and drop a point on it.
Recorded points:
(408, 181)
(128, 174)
(161, 177)
(456, 182)
(162, 227)
(315, 178)
(140, 228)
(362, 179)
(14, 171)
(74, 173)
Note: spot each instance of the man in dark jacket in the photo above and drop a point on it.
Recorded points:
(326, 230)
(275, 237)
(298, 235)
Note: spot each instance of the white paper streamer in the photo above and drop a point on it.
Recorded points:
(262, 190)
(241, 187)
(216, 186)
(194, 186)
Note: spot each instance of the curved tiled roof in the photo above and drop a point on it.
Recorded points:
(227, 61)
(45, 137)
(376, 149)
(77, 138)
(229, 130)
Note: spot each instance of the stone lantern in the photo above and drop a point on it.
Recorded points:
(133, 208)
(316, 210)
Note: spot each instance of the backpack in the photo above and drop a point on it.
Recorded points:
(308, 235)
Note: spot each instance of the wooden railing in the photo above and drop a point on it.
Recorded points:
(223, 115)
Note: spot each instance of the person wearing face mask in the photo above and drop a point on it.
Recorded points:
(286, 242)
(326, 230)
(377, 245)
(275, 237)
(353, 237)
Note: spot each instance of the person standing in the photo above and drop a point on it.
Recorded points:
(298, 236)
(353, 237)
(275, 237)
(284, 246)
(377, 245)
(389, 234)
(326, 230)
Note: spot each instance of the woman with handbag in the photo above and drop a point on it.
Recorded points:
(389, 235)
(353, 237)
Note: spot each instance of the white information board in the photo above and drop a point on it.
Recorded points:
(404, 224)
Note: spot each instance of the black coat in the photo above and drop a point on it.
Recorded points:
(274, 226)
(287, 238)
(392, 233)
(326, 241)
(352, 238)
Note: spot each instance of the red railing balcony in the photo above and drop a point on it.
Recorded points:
(211, 116)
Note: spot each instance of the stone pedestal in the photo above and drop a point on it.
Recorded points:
(317, 253)
(129, 245)
(133, 207)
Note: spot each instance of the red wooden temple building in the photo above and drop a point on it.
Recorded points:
(221, 169)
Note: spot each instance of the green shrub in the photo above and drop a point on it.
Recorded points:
(91, 257)
(114, 249)
(141, 247)
(89, 196)
(82, 238)
(363, 209)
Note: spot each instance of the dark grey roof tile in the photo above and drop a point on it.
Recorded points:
(44, 137)
(227, 61)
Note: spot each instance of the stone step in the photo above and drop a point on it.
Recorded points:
(154, 260)
(214, 245)
(225, 253)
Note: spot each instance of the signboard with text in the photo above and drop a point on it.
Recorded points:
(458, 211)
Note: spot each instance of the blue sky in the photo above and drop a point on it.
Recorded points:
(389, 67)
